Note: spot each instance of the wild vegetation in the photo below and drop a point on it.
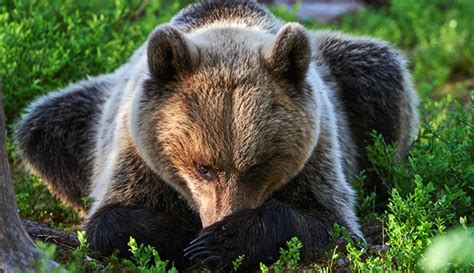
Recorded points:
(425, 225)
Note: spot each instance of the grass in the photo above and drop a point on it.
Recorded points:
(44, 45)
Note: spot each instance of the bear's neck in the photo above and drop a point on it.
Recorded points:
(207, 13)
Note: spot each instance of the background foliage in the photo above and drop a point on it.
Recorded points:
(45, 45)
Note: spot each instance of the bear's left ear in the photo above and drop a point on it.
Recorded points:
(290, 55)
(170, 54)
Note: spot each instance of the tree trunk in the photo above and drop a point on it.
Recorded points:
(17, 250)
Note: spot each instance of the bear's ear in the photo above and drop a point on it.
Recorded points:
(170, 54)
(290, 55)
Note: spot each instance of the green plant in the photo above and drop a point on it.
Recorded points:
(45, 263)
(79, 262)
(288, 259)
(62, 41)
(143, 256)
(451, 251)
(238, 262)
(440, 156)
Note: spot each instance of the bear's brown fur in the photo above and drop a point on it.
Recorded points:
(227, 125)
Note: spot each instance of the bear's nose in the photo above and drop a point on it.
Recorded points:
(221, 205)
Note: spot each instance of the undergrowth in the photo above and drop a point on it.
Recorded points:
(144, 259)
(45, 45)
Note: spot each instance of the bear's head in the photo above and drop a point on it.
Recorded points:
(226, 115)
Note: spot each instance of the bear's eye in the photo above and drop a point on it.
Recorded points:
(205, 171)
(254, 172)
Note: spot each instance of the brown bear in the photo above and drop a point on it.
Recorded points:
(227, 133)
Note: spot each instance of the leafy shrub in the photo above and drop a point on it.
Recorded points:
(288, 259)
(143, 255)
(452, 251)
(430, 192)
(78, 263)
(45, 45)
(81, 262)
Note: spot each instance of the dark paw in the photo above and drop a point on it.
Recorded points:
(204, 250)
(113, 227)
(255, 233)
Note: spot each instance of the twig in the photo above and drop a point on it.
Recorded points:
(41, 232)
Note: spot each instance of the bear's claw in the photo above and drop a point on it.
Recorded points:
(197, 250)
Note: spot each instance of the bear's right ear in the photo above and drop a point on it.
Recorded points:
(170, 54)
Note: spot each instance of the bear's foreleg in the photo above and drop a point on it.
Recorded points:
(258, 234)
(111, 228)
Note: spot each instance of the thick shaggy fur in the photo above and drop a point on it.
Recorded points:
(226, 125)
